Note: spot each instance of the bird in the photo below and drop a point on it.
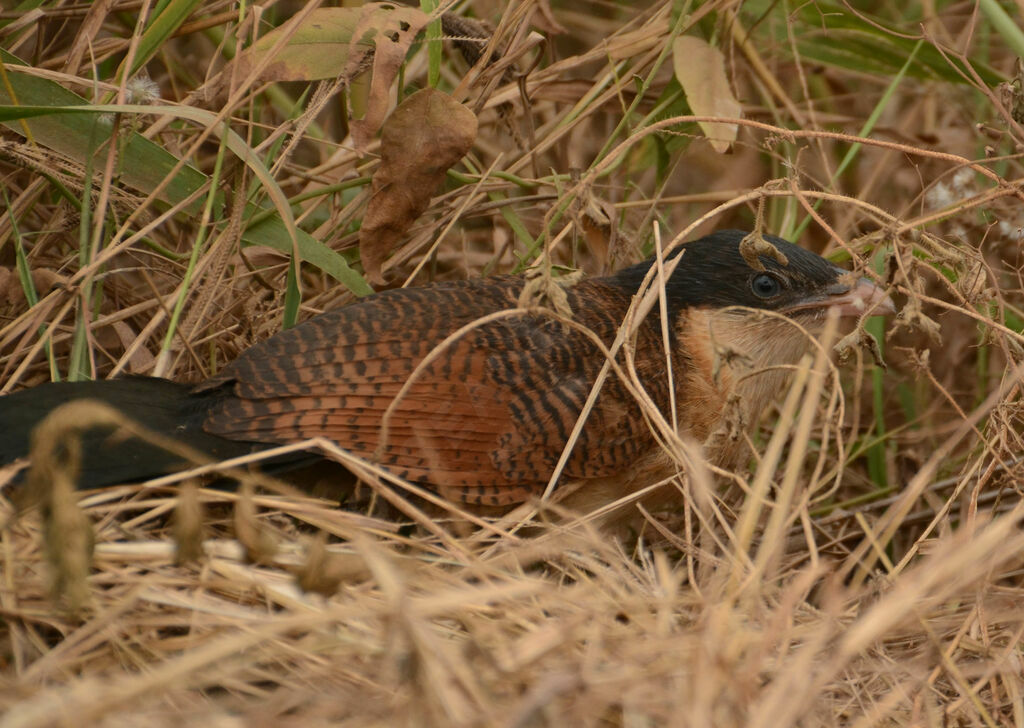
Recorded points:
(480, 412)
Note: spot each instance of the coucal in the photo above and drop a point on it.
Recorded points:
(486, 421)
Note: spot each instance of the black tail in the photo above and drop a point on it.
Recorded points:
(162, 406)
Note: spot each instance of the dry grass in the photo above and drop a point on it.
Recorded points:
(865, 571)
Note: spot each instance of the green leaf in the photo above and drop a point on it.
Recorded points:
(329, 42)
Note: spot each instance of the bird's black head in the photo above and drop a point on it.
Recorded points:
(714, 274)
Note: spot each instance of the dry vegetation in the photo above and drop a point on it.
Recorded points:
(865, 571)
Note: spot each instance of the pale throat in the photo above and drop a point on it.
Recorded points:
(742, 362)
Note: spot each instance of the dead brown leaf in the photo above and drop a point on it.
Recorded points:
(428, 133)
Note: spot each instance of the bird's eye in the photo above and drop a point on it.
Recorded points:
(765, 285)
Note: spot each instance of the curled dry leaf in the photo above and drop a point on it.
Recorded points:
(542, 290)
(856, 339)
(913, 318)
(700, 70)
(595, 218)
(972, 282)
(753, 246)
(428, 133)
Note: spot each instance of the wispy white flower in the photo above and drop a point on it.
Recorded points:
(142, 90)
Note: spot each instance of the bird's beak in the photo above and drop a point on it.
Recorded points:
(856, 299)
